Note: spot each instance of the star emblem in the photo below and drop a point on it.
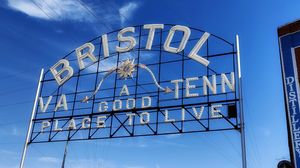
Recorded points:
(126, 69)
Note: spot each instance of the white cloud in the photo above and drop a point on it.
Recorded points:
(127, 10)
(52, 9)
(105, 65)
(16, 132)
(7, 152)
(81, 163)
(134, 167)
(167, 143)
(76, 10)
(110, 63)
(11, 130)
(48, 159)
(26, 7)
(172, 136)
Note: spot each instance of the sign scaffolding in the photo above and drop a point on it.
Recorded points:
(145, 80)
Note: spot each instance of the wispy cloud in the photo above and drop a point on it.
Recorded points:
(7, 152)
(48, 159)
(76, 10)
(266, 131)
(81, 163)
(13, 158)
(12, 74)
(126, 11)
(11, 130)
(51, 9)
(172, 136)
(167, 143)
(101, 163)
(16, 131)
(134, 167)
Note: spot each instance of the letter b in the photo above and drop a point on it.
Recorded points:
(58, 73)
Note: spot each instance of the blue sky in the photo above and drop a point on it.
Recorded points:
(33, 38)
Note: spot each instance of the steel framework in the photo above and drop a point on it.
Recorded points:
(166, 67)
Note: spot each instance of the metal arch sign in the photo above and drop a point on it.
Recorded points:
(153, 79)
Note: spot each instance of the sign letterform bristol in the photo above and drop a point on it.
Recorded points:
(153, 79)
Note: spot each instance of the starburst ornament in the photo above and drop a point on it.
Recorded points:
(126, 69)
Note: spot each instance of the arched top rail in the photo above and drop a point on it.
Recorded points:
(97, 40)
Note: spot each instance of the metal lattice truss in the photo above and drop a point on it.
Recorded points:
(141, 92)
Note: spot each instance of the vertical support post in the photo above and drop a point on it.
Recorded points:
(65, 155)
(243, 140)
(30, 122)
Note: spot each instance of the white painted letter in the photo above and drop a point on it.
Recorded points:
(144, 120)
(103, 106)
(72, 124)
(41, 102)
(182, 114)
(212, 86)
(90, 47)
(105, 45)
(151, 34)
(124, 90)
(143, 102)
(226, 81)
(86, 121)
(45, 124)
(289, 80)
(194, 53)
(129, 39)
(130, 120)
(214, 110)
(56, 126)
(198, 114)
(101, 121)
(186, 34)
(115, 107)
(62, 102)
(167, 117)
(132, 103)
(176, 82)
(65, 68)
(188, 87)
